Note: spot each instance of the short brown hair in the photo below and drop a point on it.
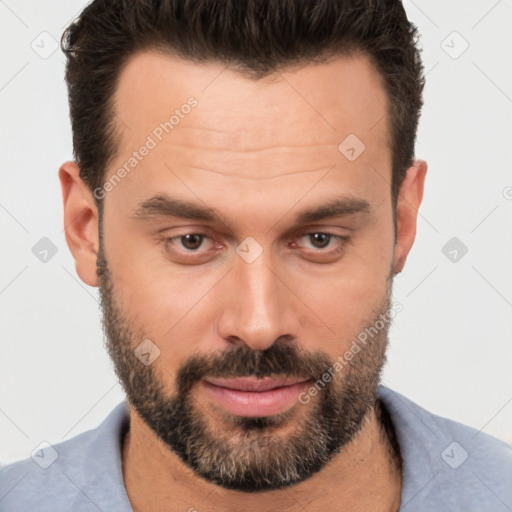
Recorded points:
(255, 37)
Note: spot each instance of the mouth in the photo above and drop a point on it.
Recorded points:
(251, 397)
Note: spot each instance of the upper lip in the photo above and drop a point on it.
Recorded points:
(254, 384)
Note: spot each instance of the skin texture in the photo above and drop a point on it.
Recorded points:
(259, 153)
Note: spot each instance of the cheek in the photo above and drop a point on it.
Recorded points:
(342, 307)
(161, 298)
(349, 296)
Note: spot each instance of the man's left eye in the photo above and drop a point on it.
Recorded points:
(321, 240)
(192, 241)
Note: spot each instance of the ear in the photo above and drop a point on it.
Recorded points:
(408, 203)
(80, 222)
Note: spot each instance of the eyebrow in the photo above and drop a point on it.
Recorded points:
(164, 206)
(334, 208)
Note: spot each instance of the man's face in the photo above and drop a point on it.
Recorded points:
(257, 290)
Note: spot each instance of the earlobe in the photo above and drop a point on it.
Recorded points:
(80, 222)
(408, 204)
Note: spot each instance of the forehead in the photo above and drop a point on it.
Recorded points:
(292, 121)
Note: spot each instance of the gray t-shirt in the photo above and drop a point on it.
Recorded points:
(447, 466)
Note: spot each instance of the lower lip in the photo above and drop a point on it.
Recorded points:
(255, 404)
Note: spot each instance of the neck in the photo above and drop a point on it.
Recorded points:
(364, 475)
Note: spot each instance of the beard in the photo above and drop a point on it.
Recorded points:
(249, 454)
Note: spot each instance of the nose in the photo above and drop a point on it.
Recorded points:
(258, 308)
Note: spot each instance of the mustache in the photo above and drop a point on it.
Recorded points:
(284, 360)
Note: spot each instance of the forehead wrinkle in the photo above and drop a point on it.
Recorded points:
(254, 178)
(240, 132)
(266, 147)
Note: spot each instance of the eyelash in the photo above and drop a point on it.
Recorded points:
(342, 241)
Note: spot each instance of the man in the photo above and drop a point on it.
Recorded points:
(244, 191)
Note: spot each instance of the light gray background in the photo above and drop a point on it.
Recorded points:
(451, 347)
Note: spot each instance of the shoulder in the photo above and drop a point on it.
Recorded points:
(80, 474)
(446, 463)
